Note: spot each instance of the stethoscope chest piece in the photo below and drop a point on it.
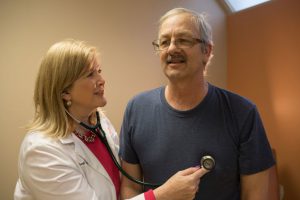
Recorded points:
(208, 162)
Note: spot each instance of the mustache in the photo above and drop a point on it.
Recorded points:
(175, 58)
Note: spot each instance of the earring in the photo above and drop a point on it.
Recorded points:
(69, 103)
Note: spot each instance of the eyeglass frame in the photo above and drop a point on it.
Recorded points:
(194, 41)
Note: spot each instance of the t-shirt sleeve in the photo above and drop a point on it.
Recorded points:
(127, 153)
(255, 151)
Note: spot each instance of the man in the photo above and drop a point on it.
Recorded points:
(173, 127)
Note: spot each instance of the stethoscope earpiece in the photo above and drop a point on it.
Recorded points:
(208, 162)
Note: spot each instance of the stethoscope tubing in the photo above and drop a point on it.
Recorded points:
(207, 161)
(98, 130)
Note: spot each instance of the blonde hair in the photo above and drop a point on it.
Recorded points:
(63, 64)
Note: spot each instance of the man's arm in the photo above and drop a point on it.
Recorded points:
(128, 188)
(255, 186)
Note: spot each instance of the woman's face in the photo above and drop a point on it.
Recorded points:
(87, 92)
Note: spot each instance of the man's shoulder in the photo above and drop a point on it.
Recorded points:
(233, 97)
(148, 95)
(145, 100)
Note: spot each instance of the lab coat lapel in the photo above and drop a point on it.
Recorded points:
(114, 147)
(85, 156)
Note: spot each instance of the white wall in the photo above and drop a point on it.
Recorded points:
(122, 30)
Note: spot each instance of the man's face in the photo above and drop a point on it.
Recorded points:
(181, 63)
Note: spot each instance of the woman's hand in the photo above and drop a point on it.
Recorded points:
(181, 186)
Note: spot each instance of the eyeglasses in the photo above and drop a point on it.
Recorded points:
(181, 43)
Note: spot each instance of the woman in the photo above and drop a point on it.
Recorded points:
(59, 159)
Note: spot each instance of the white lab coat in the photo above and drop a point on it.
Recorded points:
(64, 169)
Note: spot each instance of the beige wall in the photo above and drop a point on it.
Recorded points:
(122, 31)
(263, 65)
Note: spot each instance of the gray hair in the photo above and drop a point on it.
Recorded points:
(198, 19)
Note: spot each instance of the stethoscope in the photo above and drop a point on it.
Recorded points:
(207, 161)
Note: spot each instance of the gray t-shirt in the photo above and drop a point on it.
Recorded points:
(224, 125)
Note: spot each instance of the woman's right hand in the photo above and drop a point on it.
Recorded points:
(181, 186)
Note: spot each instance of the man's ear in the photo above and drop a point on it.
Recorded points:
(207, 49)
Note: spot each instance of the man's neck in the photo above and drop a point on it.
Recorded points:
(185, 95)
